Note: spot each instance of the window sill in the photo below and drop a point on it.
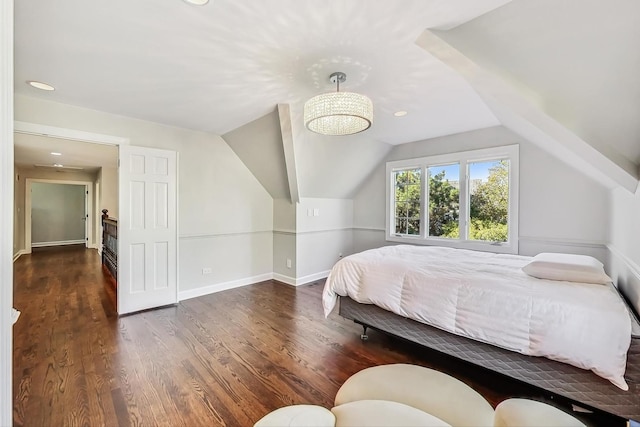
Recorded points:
(501, 248)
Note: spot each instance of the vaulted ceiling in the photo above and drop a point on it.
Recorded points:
(223, 67)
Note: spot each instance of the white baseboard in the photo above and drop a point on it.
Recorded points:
(218, 287)
(300, 280)
(312, 277)
(19, 254)
(284, 279)
(57, 243)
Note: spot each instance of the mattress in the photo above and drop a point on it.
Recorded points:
(487, 297)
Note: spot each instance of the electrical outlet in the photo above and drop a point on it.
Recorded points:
(288, 263)
(206, 270)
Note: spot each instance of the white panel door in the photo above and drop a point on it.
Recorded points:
(147, 229)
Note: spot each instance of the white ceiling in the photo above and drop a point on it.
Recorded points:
(31, 150)
(217, 67)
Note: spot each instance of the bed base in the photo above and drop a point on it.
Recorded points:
(578, 385)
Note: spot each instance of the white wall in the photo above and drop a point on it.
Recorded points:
(57, 212)
(225, 215)
(624, 245)
(561, 210)
(109, 191)
(6, 196)
(324, 231)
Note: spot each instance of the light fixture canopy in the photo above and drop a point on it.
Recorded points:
(338, 113)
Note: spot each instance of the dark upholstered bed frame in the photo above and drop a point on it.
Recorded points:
(578, 385)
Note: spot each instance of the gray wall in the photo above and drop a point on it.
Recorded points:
(560, 209)
(57, 212)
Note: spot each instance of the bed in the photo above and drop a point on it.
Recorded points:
(483, 308)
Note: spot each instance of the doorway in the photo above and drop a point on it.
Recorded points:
(58, 213)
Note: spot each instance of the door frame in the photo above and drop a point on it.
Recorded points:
(6, 207)
(29, 128)
(90, 238)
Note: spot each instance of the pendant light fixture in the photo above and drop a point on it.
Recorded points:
(338, 113)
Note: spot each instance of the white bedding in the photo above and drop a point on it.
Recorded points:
(488, 297)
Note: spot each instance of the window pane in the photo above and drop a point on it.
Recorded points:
(407, 201)
(402, 209)
(401, 225)
(489, 200)
(444, 200)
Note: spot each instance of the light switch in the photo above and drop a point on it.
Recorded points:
(316, 212)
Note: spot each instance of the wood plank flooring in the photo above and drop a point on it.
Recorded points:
(225, 359)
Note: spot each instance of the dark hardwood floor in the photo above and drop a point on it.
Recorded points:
(224, 359)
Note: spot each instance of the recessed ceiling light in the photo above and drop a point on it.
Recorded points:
(53, 153)
(198, 2)
(40, 85)
(400, 113)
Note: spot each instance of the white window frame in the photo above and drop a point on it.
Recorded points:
(507, 152)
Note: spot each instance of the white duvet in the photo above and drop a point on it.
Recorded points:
(488, 297)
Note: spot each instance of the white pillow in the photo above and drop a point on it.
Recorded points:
(567, 267)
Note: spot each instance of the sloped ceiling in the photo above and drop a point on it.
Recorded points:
(576, 60)
(223, 68)
(259, 146)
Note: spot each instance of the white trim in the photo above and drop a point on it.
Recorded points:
(328, 230)
(286, 130)
(218, 287)
(71, 134)
(312, 277)
(564, 242)
(285, 232)
(301, 280)
(300, 233)
(215, 235)
(88, 226)
(19, 254)
(376, 229)
(57, 243)
(241, 233)
(288, 280)
(6, 207)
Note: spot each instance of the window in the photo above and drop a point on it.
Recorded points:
(407, 201)
(466, 200)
